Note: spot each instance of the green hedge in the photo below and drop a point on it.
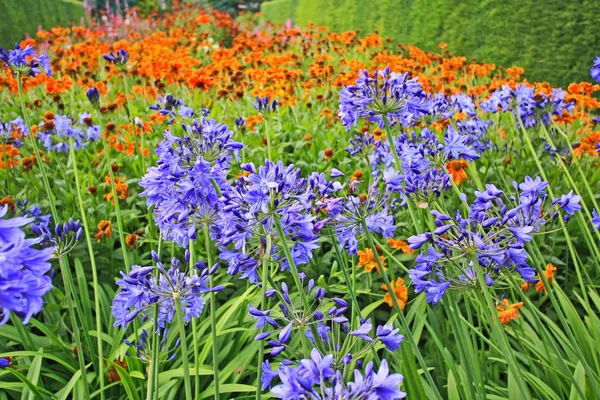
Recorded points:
(280, 10)
(20, 17)
(554, 40)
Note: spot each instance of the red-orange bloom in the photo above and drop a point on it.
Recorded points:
(400, 291)
(457, 170)
(368, 261)
(104, 229)
(507, 312)
(398, 244)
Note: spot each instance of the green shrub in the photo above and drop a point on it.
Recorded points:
(22, 17)
(553, 40)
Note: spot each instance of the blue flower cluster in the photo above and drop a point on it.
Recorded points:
(145, 287)
(595, 70)
(317, 378)
(56, 134)
(63, 239)
(376, 151)
(525, 104)
(143, 348)
(492, 232)
(384, 97)
(24, 278)
(424, 177)
(120, 59)
(325, 324)
(270, 195)
(263, 105)
(347, 212)
(7, 130)
(191, 172)
(25, 60)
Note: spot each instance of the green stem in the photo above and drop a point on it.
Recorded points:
(90, 247)
(108, 158)
(67, 279)
(263, 302)
(38, 157)
(499, 332)
(213, 313)
(195, 332)
(184, 349)
(409, 355)
(138, 150)
(267, 136)
(550, 191)
(153, 365)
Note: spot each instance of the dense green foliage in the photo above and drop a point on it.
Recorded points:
(553, 40)
(21, 17)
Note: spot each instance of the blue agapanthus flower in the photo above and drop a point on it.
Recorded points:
(63, 238)
(315, 378)
(346, 213)
(595, 70)
(383, 96)
(144, 351)
(15, 128)
(264, 106)
(120, 59)
(145, 287)
(24, 278)
(56, 134)
(191, 171)
(334, 343)
(376, 151)
(271, 194)
(525, 104)
(493, 230)
(596, 220)
(25, 60)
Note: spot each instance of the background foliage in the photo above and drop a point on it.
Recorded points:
(553, 40)
(24, 17)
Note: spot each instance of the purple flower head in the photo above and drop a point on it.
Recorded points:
(191, 171)
(493, 231)
(383, 97)
(93, 96)
(263, 105)
(63, 238)
(120, 59)
(348, 213)
(596, 220)
(595, 70)
(143, 288)
(24, 278)
(58, 136)
(321, 377)
(25, 60)
(271, 197)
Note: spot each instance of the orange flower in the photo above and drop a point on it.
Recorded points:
(328, 153)
(549, 272)
(398, 244)
(131, 240)
(507, 312)
(400, 291)
(539, 286)
(10, 153)
(457, 170)
(121, 188)
(112, 375)
(253, 120)
(367, 260)
(7, 201)
(104, 229)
